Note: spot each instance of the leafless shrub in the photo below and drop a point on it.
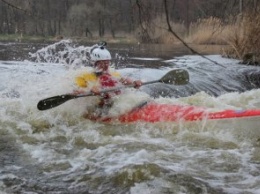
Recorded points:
(245, 42)
(207, 31)
(160, 33)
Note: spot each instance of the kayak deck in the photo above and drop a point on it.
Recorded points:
(152, 112)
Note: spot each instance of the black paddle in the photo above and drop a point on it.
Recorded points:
(175, 77)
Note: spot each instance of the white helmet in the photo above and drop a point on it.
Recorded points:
(99, 53)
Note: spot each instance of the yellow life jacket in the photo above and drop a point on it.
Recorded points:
(87, 79)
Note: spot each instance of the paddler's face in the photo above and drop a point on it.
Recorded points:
(102, 66)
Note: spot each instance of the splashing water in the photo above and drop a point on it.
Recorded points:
(63, 52)
(58, 151)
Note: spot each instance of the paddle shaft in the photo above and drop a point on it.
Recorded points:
(176, 77)
(55, 101)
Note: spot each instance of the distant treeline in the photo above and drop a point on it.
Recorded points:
(115, 18)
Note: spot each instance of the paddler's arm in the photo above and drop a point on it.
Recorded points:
(95, 90)
(82, 83)
(127, 81)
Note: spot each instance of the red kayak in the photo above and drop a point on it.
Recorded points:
(152, 112)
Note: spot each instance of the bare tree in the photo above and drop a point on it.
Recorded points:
(87, 17)
(144, 19)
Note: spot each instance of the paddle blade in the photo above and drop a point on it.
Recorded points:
(54, 101)
(176, 77)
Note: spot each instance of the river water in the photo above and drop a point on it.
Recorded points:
(58, 151)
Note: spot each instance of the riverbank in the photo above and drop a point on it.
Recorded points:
(48, 39)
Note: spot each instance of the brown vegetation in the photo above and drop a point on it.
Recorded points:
(142, 21)
(245, 41)
(207, 31)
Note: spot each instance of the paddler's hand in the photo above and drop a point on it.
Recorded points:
(95, 90)
(78, 92)
(137, 84)
(126, 81)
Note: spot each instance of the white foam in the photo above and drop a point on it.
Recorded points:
(199, 149)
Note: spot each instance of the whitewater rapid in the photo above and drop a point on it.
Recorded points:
(58, 151)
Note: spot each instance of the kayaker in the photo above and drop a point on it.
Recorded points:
(101, 78)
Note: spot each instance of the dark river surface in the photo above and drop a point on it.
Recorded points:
(20, 51)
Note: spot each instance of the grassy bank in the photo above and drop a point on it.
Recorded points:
(23, 38)
(41, 39)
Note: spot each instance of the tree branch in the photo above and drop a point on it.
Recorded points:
(15, 7)
(182, 41)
